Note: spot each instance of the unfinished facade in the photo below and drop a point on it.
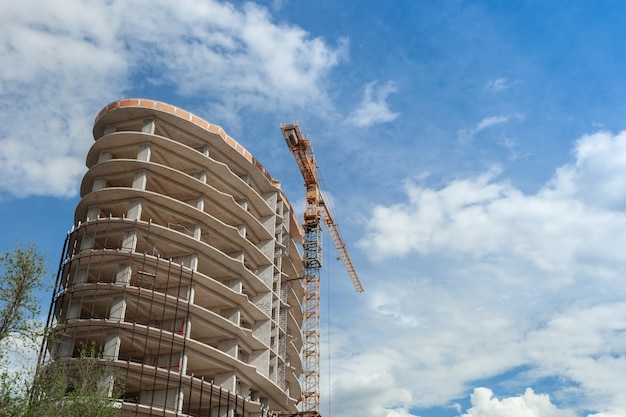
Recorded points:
(182, 269)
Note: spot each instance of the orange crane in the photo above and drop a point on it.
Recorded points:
(317, 211)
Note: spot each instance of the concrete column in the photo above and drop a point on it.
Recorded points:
(180, 398)
(191, 292)
(203, 173)
(93, 213)
(267, 247)
(183, 363)
(191, 295)
(243, 389)
(104, 156)
(193, 262)
(226, 381)
(134, 210)
(282, 346)
(145, 151)
(229, 346)
(261, 360)
(266, 274)
(124, 273)
(184, 360)
(66, 347)
(98, 184)
(149, 126)
(269, 223)
(87, 242)
(112, 345)
(200, 203)
(280, 375)
(271, 199)
(242, 230)
(232, 314)
(264, 302)
(73, 310)
(280, 206)
(130, 241)
(118, 308)
(140, 180)
(108, 129)
(81, 275)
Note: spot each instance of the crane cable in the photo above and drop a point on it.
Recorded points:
(328, 202)
(329, 331)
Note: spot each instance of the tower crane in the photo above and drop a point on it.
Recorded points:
(317, 212)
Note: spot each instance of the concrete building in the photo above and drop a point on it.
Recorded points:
(182, 269)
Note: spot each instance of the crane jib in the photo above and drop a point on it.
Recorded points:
(317, 212)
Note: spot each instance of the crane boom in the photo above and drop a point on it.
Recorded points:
(316, 212)
(333, 231)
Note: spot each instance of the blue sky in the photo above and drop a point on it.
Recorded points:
(475, 154)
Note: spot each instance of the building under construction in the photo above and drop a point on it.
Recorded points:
(182, 269)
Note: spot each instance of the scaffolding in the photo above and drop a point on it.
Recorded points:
(87, 309)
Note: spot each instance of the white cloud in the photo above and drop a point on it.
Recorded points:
(477, 279)
(58, 66)
(471, 324)
(367, 392)
(596, 352)
(512, 146)
(374, 108)
(64, 60)
(596, 178)
(529, 404)
(499, 85)
(237, 55)
(572, 214)
(466, 135)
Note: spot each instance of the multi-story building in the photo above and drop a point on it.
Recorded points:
(182, 269)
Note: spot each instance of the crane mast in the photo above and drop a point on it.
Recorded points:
(316, 213)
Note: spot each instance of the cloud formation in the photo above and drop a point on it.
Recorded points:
(499, 85)
(487, 280)
(483, 216)
(373, 108)
(56, 67)
(529, 404)
(467, 135)
(239, 56)
(63, 61)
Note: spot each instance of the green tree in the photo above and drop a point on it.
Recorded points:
(78, 387)
(71, 387)
(13, 395)
(22, 273)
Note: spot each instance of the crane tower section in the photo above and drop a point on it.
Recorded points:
(316, 212)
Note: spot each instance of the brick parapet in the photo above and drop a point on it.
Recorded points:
(198, 121)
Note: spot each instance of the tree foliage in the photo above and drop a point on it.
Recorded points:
(78, 387)
(72, 387)
(22, 274)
